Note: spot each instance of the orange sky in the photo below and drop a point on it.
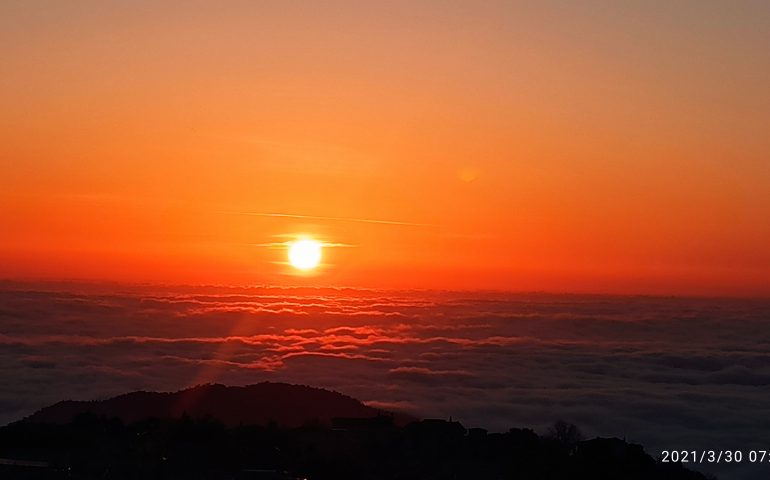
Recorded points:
(605, 146)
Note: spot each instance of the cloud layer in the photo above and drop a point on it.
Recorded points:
(665, 372)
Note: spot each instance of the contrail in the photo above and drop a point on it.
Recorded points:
(333, 219)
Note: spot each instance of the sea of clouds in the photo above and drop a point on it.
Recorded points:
(669, 373)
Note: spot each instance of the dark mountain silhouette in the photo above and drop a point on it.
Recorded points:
(261, 404)
(280, 431)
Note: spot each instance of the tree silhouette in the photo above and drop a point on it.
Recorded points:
(565, 433)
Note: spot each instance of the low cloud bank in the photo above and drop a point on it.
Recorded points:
(665, 372)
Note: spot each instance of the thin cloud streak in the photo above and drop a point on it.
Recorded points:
(333, 219)
(288, 243)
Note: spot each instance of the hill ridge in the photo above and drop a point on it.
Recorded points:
(283, 404)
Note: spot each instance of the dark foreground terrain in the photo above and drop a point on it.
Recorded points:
(98, 442)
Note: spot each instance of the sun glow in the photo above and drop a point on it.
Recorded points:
(305, 254)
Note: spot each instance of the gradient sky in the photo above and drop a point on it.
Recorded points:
(563, 146)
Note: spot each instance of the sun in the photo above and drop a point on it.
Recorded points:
(305, 254)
